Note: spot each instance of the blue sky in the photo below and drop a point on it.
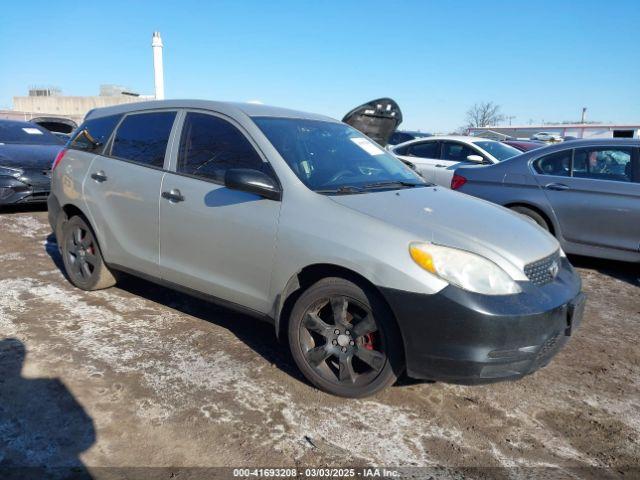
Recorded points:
(540, 60)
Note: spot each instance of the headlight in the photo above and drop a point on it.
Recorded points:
(12, 172)
(464, 269)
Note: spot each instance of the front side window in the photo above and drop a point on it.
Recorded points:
(209, 146)
(331, 157)
(498, 150)
(557, 164)
(603, 164)
(424, 150)
(143, 138)
(94, 133)
(456, 152)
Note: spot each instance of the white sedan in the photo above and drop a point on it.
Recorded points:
(436, 158)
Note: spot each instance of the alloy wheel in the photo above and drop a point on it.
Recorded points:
(81, 253)
(341, 342)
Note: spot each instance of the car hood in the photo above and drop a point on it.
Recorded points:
(377, 119)
(28, 156)
(457, 220)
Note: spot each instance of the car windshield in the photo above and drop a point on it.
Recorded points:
(332, 157)
(26, 133)
(499, 150)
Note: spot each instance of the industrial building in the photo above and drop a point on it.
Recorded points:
(48, 107)
(578, 130)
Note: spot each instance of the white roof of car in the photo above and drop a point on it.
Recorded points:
(459, 138)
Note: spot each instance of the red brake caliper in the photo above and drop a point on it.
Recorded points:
(368, 341)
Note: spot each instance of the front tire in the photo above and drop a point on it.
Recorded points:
(82, 257)
(344, 339)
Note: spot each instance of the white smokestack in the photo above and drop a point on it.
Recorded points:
(158, 71)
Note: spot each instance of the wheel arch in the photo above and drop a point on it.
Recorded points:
(309, 275)
(549, 218)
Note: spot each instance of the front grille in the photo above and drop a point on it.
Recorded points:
(542, 271)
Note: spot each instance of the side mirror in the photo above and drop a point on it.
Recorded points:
(475, 158)
(409, 164)
(252, 181)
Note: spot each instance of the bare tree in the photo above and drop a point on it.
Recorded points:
(483, 114)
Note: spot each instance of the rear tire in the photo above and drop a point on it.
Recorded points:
(82, 256)
(344, 339)
(533, 215)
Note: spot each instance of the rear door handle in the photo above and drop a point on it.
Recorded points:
(99, 176)
(439, 165)
(173, 196)
(556, 186)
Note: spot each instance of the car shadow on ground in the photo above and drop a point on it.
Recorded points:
(624, 271)
(258, 335)
(23, 207)
(43, 429)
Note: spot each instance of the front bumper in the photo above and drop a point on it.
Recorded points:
(24, 190)
(463, 337)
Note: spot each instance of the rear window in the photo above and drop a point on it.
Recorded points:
(26, 134)
(424, 150)
(558, 164)
(143, 138)
(93, 134)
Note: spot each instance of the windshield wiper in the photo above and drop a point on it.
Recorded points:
(343, 190)
(393, 184)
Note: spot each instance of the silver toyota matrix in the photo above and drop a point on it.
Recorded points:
(298, 219)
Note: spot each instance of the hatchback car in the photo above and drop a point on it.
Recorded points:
(26, 153)
(586, 192)
(300, 220)
(436, 158)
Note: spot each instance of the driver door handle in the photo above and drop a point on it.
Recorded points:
(439, 165)
(99, 176)
(173, 196)
(556, 186)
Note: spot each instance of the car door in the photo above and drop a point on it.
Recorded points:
(123, 187)
(424, 155)
(213, 239)
(596, 201)
(453, 155)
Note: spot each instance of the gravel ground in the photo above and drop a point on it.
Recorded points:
(139, 375)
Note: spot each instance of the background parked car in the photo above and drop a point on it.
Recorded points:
(525, 145)
(401, 136)
(26, 153)
(435, 158)
(546, 137)
(585, 192)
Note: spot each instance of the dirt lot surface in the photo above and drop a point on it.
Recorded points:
(140, 375)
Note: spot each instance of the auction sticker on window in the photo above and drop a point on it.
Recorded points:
(32, 131)
(367, 146)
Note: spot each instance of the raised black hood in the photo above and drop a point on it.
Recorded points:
(19, 155)
(377, 119)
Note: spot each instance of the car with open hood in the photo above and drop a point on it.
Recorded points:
(364, 269)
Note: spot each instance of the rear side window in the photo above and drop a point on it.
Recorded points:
(92, 135)
(558, 164)
(143, 138)
(603, 164)
(209, 146)
(424, 150)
